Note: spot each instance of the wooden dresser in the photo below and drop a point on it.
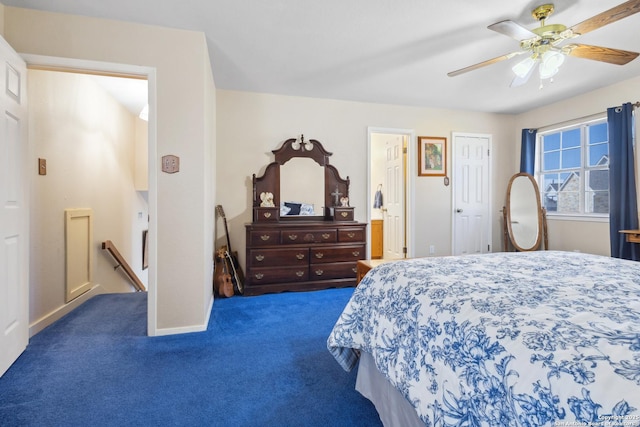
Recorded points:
(291, 251)
(303, 256)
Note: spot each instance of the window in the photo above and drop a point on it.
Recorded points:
(573, 172)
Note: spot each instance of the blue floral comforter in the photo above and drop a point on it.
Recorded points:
(505, 339)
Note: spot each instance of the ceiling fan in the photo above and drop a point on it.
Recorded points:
(543, 44)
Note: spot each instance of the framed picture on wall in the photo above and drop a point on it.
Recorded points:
(432, 156)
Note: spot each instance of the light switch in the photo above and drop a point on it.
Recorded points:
(170, 164)
(42, 166)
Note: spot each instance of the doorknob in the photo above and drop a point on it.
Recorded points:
(458, 210)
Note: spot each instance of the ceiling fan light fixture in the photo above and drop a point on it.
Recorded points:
(552, 59)
(550, 64)
(547, 72)
(523, 68)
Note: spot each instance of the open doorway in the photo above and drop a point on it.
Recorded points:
(95, 158)
(390, 195)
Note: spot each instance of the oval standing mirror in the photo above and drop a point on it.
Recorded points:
(523, 214)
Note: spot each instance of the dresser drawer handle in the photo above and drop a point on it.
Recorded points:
(351, 235)
(344, 214)
(355, 253)
(259, 257)
(293, 236)
(299, 273)
(319, 272)
(267, 214)
(319, 255)
(265, 237)
(259, 276)
(354, 269)
(300, 256)
(325, 236)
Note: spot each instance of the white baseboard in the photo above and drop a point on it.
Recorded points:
(60, 312)
(187, 329)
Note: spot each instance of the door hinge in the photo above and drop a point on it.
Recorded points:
(488, 152)
(404, 150)
(404, 251)
(488, 248)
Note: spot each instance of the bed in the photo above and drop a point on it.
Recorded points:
(543, 338)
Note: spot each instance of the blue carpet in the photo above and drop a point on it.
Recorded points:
(262, 362)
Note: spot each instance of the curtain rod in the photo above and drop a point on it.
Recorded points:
(579, 119)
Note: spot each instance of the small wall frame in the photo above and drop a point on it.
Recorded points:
(432, 156)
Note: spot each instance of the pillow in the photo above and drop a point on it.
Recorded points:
(295, 208)
(306, 209)
(284, 210)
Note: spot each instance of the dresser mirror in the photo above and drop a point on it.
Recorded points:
(525, 224)
(302, 182)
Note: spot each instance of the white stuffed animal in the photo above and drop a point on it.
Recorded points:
(267, 200)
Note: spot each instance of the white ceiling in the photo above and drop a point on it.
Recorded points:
(131, 93)
(386, 51)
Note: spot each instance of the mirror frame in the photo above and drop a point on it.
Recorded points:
(541, 218)
(295, 148)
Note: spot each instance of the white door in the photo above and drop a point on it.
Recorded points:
(14, 212)
(394, 230)
(471, 200)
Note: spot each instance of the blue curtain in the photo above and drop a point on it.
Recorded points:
(623, 206)
(528, 151)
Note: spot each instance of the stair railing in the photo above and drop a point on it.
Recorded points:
(126, 268)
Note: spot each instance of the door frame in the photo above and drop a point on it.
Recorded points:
(411, 172)
(489, 137)
(124, 70)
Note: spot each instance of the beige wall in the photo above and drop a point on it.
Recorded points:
(181, 204)
(250, 125)
(88, 141)
(192, 117)
(585, 236)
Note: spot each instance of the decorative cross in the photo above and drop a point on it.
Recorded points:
(337, 195)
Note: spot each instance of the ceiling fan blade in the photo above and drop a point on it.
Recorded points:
(513, 30)
(484, 63)
(612, 15)
(597, 53)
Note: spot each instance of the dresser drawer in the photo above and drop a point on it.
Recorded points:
(343, 214)
(309, 236)
(337, 254)
(264, 237)
(266, 275)
(336, 270)
(351, 235)
(266, 214)
(278, 257)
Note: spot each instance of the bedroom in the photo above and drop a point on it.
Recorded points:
(254, 122)
(249, 122)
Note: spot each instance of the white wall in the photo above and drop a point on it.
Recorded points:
(250, 125)
(585, 236)
(181, 204)
(88, 141)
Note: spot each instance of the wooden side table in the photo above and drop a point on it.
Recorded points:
(364, 265)
(632, 236)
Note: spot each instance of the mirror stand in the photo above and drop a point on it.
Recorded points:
(312, 176)
(524, 219)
